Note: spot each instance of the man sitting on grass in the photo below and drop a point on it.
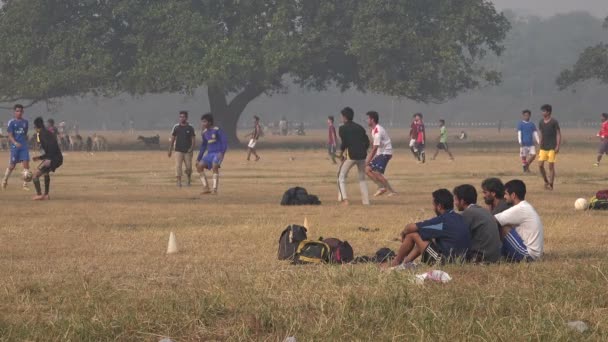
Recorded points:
(485, 238)
(445, 238)
(521, 227)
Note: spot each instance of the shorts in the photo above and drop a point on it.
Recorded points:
(442, 146)
(252, 143)
(419, 146)
(547, 155)
(21, 154)
(379, 163)
(331, 149)
(46, 167)
(525, 151)
(603, 149)
(432, 254)
(211, 159)
(514, 248)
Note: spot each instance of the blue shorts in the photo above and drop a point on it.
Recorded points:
(514, 248)
(18, 155)
(380, 162)
(211, 159)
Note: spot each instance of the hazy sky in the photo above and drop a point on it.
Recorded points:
(551, 7)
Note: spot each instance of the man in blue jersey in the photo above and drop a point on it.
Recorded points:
(526, 134)
(17, 135)
(215, 144)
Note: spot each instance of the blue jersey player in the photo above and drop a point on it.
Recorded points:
(17, 134)
(215, 144)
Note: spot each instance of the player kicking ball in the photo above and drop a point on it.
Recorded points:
(50, 158)
(215, 144)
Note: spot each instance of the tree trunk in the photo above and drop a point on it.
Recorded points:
(226, 114)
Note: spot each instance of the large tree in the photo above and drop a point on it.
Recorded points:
(591, 64)
(428, 51)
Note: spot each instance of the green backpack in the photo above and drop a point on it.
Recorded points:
(312, 252)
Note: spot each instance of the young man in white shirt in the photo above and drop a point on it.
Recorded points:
(381, 154)
(521, 227)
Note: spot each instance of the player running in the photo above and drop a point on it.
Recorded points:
(443, 141)
(215, 144)
(17, 135)
(255, 135)
(381, 154)
(603, 134)
(526, 135)
(550, 140)
(51, 159)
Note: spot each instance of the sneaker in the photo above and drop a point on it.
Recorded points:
(405, 267)
(596, 164)
(380, 192)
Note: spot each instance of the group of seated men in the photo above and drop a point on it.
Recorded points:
(509, 229)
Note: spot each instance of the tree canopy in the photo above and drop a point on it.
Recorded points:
(428, 51)
(591, 64)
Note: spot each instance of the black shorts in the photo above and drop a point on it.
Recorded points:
(603, 148)
(432, 255)
(442, 146)
(44, 167)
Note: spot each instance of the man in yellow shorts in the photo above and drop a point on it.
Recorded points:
(550, 140)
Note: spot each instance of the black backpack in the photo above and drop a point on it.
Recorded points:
(299, 196)
(341, 252)
(289, 241)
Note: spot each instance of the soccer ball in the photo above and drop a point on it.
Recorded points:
(581, 204)
(27, 175)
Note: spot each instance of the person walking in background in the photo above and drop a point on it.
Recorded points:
(332, 139)
(182, 139)
(420, 138)
(603, 135)
(526, 135)
(550, 141)
(443, 141)
(353, 152)
(283, 126)
(255, 135)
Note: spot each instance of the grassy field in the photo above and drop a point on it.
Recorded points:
(90, 264)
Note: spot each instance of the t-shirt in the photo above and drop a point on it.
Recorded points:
(331, 140)
(420, 133)
(502, 206)
(49, 146)
(485, 238)
(443, 135)
(382, 140)
(450, 233)
(214, 141)
(526, 222)
(18, 128)
(354, 141)
(548, 134)
(604, 130)
(183, 137)
(527, 130)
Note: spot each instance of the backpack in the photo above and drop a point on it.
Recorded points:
(602, 195)
(289, 241)
(598, 204)
(298, 196)
(312, 252)
(341, 252)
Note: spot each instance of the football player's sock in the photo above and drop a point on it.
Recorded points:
(7, 174)
(37, 185)
(47, 184)
(216, 181)
(204, 180)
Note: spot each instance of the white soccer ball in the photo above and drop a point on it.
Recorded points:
(581, 204)
(27, 175)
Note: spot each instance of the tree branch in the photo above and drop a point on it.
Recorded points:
(248, 94)
(32, 102)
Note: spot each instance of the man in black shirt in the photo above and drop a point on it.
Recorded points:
(353, 151)
(550, 139)
(182, 138)
(51, 158)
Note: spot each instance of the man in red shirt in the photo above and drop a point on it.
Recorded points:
(332, 139)
(413, 137)
(603, 134)
(420, 137)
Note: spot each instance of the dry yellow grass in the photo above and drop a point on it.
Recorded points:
(90, 264)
